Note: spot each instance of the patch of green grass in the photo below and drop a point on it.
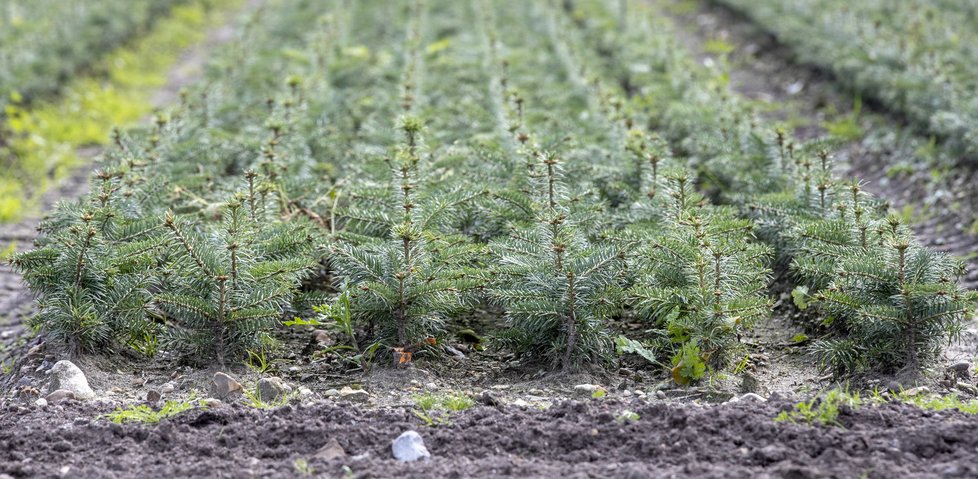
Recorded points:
(434, 409)
(426, 401)
(144, 414)
(457, 402)
(10, 200)
(907, 214)
(846, 127)
(930, 402)
(626, 416)
(942, 403)
(7, 252)
(254, 399)
(717, 47)
(823, 410)
(901, 169)
(302, 467)
(258, 361)
(7, 366)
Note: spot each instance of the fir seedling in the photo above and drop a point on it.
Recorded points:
(410, 272)
(893, 306)
(557, 287)
(876, 300)
(226, 291)
(700, 277)
(93, 274)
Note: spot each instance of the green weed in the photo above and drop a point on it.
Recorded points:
(822, 409)
(142, 413)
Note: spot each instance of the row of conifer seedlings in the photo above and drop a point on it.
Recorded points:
(871, 297)
(142, 259)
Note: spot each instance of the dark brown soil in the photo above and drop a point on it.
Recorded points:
(570, 439)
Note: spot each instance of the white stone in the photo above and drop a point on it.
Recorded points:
(749, 397)
(409, 447)
(41, 403)
(917, 391)
(354, 395)
(65, 375)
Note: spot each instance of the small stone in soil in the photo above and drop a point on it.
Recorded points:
(960, 367)
(488, 399)
(211, 403)
(41, 403)
(917, 391)
(332, 450)
(586, 389)
(153, 396)
(353, 395)
(409, 447)
(331, 393)
(273, 389)
(167, 388)
(749, 397)
(225, 385)
(65, 375)
(59, 395)
(968, 388)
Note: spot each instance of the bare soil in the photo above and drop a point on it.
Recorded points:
(571, 439)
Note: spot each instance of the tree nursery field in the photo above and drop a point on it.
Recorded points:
(488, 238)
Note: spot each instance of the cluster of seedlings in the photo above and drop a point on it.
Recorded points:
(540, 177)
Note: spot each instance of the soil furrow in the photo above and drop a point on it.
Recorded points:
(575, 439)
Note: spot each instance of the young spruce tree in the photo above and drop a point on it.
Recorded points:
(409, 272)
(556, 286)
(700, 277)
